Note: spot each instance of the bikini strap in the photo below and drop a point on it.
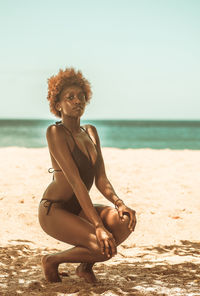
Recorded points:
(60, 122)
(68, 131)
(73, 136)
(74, 139)
(52, 170)
(88, 135)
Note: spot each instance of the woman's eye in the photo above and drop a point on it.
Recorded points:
(82, 97)
(70, 98)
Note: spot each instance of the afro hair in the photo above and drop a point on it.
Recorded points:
(65, 78)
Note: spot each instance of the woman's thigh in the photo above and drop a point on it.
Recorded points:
(67, 227)
(108, 214)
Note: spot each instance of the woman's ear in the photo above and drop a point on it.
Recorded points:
(58, 107)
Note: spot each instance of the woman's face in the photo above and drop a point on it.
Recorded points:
(72, 101)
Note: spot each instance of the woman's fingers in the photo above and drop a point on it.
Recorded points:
(107, 248)
(121, 215)
(102, 247)
(135, 221)
(110, 247)
(113, 246)
(107, 243)
(132, 220)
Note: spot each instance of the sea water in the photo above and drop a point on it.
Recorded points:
(113, 133)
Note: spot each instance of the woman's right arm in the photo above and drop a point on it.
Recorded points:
(58, 147)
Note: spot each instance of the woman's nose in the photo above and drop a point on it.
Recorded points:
(77, 100)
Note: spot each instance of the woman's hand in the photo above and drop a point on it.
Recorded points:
(106, 241)
(122, 208)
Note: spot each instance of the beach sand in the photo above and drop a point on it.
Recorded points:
(162, 255)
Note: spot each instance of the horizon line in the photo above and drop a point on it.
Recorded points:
(108, 119)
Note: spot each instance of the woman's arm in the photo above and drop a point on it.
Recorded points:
(101, 181)
(104, 186)
(58, 147)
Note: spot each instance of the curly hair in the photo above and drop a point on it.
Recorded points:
(68, 77)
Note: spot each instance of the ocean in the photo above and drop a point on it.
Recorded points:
(113, 133)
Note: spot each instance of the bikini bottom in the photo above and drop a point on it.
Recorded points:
(72, 205)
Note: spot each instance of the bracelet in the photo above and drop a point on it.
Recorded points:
(116, 207)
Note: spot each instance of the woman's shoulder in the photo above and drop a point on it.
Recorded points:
(90, 128)
(92, 131)
(54, 130)
(53, 127)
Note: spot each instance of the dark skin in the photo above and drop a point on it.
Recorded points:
(97, 231)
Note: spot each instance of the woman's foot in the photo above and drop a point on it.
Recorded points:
(50, 269)
(85, 271)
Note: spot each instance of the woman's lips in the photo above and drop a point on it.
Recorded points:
(78, 108)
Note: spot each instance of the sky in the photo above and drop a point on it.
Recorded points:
(142, 57)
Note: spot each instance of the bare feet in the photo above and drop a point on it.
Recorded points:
(83, 271)
(50, 269)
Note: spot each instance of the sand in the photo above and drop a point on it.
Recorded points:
(161, 257)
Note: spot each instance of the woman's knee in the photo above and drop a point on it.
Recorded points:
(123, 223)
(118, 227)
(114, 220)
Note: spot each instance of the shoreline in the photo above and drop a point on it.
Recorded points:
(104, 147)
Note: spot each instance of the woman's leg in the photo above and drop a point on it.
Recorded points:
(118, 228)
(73, 230)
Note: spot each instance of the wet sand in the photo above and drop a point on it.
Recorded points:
(162, 256)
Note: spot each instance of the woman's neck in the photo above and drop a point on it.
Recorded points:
(72, 123)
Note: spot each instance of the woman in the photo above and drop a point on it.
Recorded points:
(66, 211)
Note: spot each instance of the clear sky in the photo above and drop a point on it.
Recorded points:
(142, 57)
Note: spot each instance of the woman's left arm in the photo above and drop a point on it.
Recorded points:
(105, 187)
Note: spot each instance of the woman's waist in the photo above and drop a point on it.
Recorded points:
(58, 203)
(86, 176)
(58, 191)
(60, 187)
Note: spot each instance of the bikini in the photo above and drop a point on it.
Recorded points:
(86, 170)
